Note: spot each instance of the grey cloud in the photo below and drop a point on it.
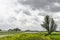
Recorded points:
(36, 4)
(4, 27)
(27, 13)
(12, 19)
(58, 19)
(17, 11)
(23, 21)
(45, 13)
(54, 1)
(36, 19)
(55, 9)
(42, 14)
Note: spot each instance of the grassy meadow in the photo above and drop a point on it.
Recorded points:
(30, 36)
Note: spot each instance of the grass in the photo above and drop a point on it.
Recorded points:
(25, 36)
(55, 36)
(8, 32)
(32, 36)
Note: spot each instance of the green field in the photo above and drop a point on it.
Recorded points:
(30, 36)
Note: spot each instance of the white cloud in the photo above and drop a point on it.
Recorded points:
(57, 4)
(12, 16)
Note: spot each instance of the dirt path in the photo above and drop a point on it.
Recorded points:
(5, 35)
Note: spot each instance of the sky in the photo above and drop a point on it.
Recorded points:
(28, 14)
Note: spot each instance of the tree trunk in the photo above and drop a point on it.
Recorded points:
(49, 33)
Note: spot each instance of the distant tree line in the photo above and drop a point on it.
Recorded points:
(15, 29)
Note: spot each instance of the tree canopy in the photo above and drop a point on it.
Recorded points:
(49, 24)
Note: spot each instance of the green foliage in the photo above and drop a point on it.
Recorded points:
(55, 36)
(10, 30)
(0, 30)
(17, 29)
(24, 36)
(33, 36)
(46, 23)
(53, 25)
(49, 24)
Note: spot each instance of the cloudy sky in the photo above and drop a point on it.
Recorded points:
(27, 14)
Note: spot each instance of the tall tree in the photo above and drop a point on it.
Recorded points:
(49, 24)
